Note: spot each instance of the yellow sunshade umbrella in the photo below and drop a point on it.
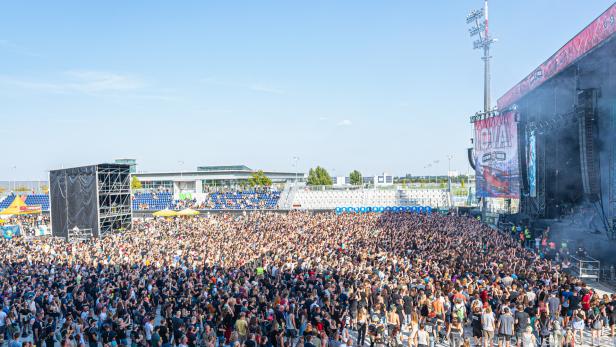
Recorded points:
(188, 212)
(18, 206)
(165, 213)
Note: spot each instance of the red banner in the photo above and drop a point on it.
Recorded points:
(595, 33)
(496, 157)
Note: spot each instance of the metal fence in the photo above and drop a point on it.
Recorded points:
(586, 268)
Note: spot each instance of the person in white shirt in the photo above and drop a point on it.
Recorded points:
(2, 322)
(148, 329)
(488, 326)
(423, 338)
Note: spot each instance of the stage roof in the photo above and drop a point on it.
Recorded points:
(591, 37)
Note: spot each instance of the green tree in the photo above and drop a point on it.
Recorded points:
(45, 189)
(319, 177)
(356, 178)
(135, 183)
(2, 189)
(259, 179)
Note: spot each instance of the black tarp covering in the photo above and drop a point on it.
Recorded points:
(72, 194)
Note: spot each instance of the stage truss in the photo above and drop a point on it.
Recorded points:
(114, 199)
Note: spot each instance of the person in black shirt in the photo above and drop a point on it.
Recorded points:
(163, 331)
(91, 333)
(251, 341)
(408, 308)
(107, 335)
(137, 338)
(119, 327)
(37, 331)
(49, 332)
(476, 325)
(521, 320)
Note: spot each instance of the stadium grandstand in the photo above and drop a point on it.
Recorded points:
(152, 201)
(226, 188)
(233, 199)
(290, 196)
(329, 198)
(29, 199)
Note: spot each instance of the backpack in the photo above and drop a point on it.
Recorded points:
(460, 313)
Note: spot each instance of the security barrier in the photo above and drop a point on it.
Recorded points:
(382, 209)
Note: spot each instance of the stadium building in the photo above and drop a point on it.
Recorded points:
(207, 178)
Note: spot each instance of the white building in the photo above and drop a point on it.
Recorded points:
(206, 178)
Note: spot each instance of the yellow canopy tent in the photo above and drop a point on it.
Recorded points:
(18, 206)
(188, 212)
(165, 213)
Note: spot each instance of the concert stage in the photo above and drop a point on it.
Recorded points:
(552, 142)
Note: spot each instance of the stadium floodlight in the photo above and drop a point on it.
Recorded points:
(477, 29)
(474, 15)
(477, 44)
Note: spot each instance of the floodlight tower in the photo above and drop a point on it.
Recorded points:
(479, 19)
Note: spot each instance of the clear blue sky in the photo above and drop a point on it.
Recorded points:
(369, 85)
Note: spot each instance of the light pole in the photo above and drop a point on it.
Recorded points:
(449, 157)
(480, 28)
(295, 159)
(181, 162)
(14, 178)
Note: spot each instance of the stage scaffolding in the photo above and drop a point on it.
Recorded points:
(114, 198)
(94, 198)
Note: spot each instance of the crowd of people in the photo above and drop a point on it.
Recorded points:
(29, 224)
(295, 279)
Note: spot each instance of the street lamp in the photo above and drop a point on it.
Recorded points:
(295, 159)
(14, 177)
(449, 157)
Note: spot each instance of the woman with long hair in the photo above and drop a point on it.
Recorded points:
(362, 326)
(455, 331)
(544, 328)
(413, 329)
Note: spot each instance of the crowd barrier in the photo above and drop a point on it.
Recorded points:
(381, 209)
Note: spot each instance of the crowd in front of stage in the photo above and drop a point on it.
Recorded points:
(295, 279)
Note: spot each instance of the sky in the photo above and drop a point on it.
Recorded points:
(378, 86)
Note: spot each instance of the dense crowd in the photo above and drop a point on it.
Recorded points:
(294, 279)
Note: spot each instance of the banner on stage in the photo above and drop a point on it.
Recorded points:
(496, 157)
(531, 160)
